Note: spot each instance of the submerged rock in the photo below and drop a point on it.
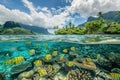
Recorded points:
(26, 75)
(60, 76)
(19, 68)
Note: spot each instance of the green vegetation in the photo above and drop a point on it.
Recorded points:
(15, 31)
(12, 28)
(100, 26)
(71, 30)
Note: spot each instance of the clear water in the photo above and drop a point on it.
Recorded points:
(85, 46)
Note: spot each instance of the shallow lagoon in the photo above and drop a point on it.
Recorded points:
(51, 57)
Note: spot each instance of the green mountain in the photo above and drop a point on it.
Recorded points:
(15, 31)
(11, 27)
(39, 30)
(112, 15)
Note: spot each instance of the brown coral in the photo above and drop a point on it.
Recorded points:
(79, 75)
(85, 64)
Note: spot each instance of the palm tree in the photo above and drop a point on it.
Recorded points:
(100, 15)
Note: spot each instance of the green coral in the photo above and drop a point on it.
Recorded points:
(54, 53)
(70, 63)
(31, 51)
(16, 60)
(115, 76)
(48, 57)
(37, 62)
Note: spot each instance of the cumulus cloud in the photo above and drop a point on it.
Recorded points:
(92, 7)
(13, 15)
(43, 18)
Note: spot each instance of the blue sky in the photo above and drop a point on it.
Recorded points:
(49, 13)
(18, 4)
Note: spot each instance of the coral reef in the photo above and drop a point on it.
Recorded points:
(100, 75)
(61, 59)
(48, 57)
(79, 75)
(115, 76)
(54, 53)
(72, 48)
(20, 68)
(86, 64)
(32, 52)
(47, 71)
(70, 63)
(43, 61)
(16, 60)
(103, 62)
(60, 76)
(74, 53)
(114, 58)
(37, 62)
(8, 62)
(26, 75)
(65, 51)
(42, 72)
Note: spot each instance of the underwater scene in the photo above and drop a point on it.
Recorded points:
(60, 57)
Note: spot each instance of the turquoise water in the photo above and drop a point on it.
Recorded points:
(19, 53)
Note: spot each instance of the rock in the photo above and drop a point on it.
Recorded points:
(19, 68)
(26, 75)
(60, 76)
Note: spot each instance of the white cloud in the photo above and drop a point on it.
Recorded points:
(13, 15)
(43, 18)
(92, 7)
(29, 5)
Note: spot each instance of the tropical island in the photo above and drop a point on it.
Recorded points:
(108, 23)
